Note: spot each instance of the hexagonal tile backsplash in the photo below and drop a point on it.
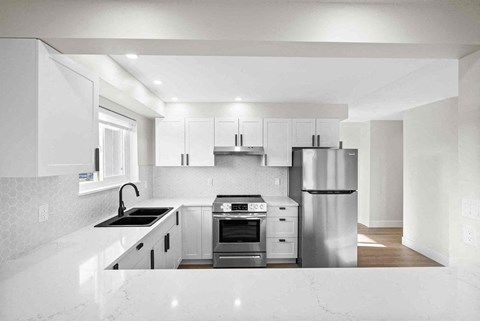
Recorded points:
(231, 175)
(20, 198)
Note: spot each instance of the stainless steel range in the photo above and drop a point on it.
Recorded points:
(239, 231)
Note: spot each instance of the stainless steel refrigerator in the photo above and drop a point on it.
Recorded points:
(324, 184)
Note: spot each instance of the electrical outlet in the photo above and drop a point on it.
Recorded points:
(43, 213)
(469, 235)
(277, 181)
(210, 181)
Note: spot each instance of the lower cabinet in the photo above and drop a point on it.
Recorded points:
(160, 249)
(197, 233)
(282, 232)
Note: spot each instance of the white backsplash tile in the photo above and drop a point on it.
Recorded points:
(20, 198)
(231, 175)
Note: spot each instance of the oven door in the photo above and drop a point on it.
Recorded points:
(239, 233)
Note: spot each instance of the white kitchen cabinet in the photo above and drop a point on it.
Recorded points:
(251, 132)
(277, 142)
(199, 142)
(197, 233)
(315, 132)
(282, 232)
(238, 132)
(207, 233)
(329, 132)
(282, 227)
(303, 132)
(184, 142)
(160, 254)
(169, 142)
(282, 248)
(48, 118)
(192, 233)
(226, 132)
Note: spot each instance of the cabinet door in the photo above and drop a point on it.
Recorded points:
(199, 141)
(328, 130)
(145, 263)
(169, 142)
(192, 232)
(175, 247)
(277, 142)
(68, 97)
(207, 233)
(303, 133)
(251, 132)
(226, 131)
(282, 248)
(282, 227)
(160, 254)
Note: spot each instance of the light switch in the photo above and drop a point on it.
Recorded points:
(43, 213)
(277, 181)
(210, 181)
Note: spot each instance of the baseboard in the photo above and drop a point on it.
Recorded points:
(386, 223)
(431, 254)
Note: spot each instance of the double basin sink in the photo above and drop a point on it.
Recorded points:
(139, 216)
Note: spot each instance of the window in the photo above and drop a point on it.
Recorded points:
(117, 153)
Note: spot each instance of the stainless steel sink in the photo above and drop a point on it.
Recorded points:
(148, 211)
(137, 217)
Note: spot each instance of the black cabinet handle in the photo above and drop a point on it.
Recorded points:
(115, 267)
(313, 140)
(318, 140)
(282, 208)
(168, 241)
(265, 159)
(236, 140)
(178, 221)
(188, 160)
(281, 240)
(181, 156)
(165, 244)
(152, 259)
(139, 246)
(97, 159)
(282, 219)
(241, 139)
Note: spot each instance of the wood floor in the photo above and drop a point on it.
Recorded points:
(377, 247)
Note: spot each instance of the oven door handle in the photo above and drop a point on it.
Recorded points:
(223, 217)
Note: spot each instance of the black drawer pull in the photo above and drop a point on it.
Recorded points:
(178, 221)
(282, 208)
(281, 240)
(165, 243)
(139, 246)
(115, 267)
(152, 259)
(282, 219)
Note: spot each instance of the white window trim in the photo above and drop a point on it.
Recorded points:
(108, 117)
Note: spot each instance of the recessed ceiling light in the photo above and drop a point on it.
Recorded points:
(157, 82)
(238, 99)
(174, 98)
(132, 56)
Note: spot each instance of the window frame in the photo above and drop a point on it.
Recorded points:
(114, 120)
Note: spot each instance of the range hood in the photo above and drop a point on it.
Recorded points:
(239, 150)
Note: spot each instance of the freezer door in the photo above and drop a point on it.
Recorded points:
(328, 233)
(330, 169)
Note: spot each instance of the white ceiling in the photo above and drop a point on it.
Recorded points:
(374, 88)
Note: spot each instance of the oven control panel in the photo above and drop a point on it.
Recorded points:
(245, 207)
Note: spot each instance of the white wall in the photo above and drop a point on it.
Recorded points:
(380, 170)
(468, 162)
(430, 177)
(386, 173)
(263, 110)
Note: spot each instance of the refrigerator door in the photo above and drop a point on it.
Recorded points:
(329, 169)
(328, 233)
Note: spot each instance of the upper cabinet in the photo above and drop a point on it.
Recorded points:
(238, 132)
(315, 132)
(277, 142)
(48, 117)
(184, 142)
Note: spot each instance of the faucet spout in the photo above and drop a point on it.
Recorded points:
(121, 205)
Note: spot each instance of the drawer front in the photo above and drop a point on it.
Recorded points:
(282, 211)
(135, 255)
(282, 227)
(282, 248)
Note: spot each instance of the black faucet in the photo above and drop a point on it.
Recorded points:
(121, 206)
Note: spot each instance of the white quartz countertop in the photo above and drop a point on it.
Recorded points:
(66, 280)
(279, 201)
